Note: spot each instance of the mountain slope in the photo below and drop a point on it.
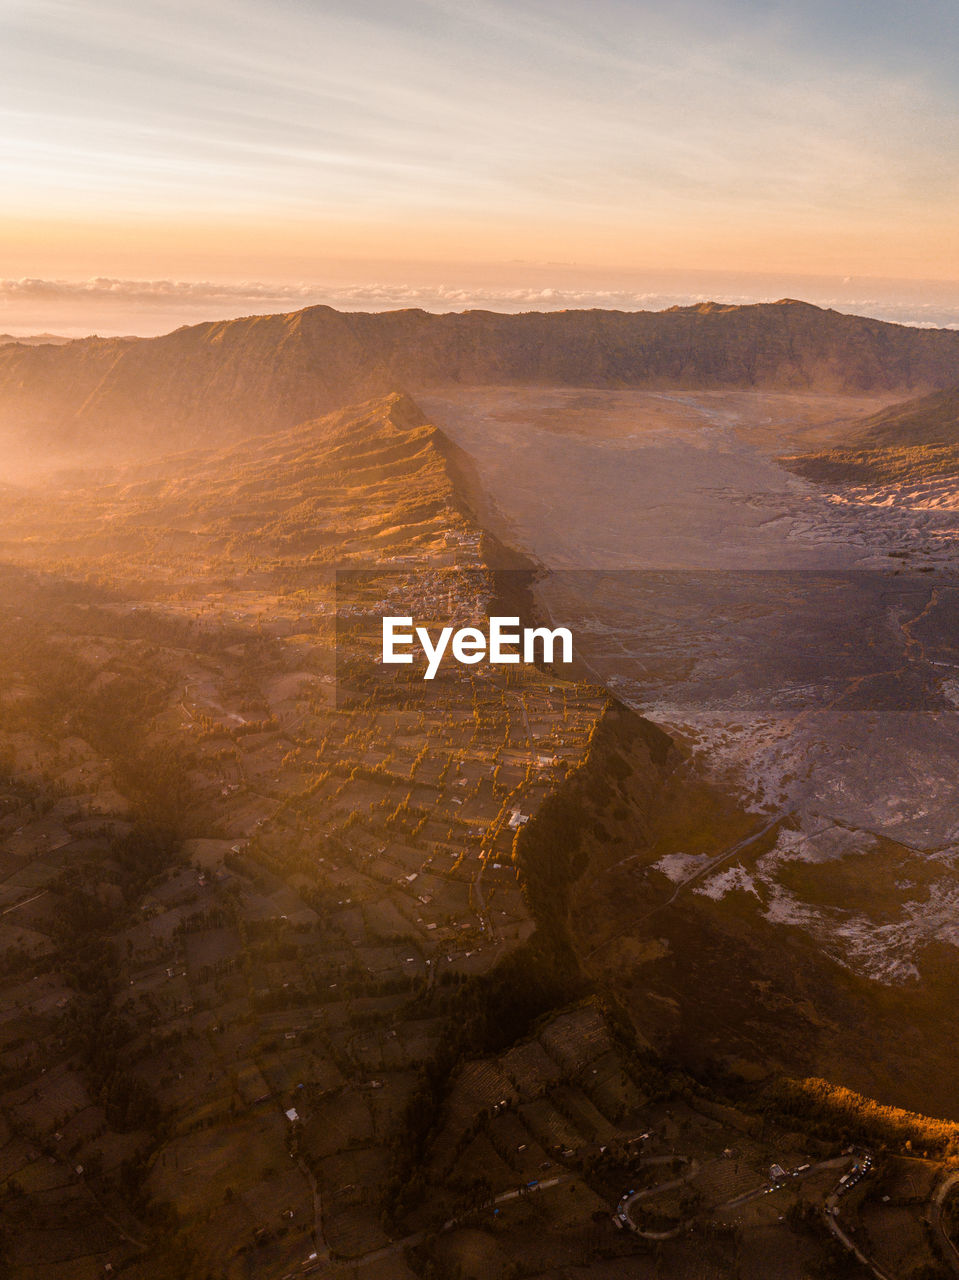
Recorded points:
(369, 479)
(231, 378)
(932, 419)
(237, 861)
(35, 340)
(911, 443)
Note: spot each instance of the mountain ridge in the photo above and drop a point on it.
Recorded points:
(228, 379)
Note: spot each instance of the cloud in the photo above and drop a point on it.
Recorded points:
(368, 296)
(105, 289)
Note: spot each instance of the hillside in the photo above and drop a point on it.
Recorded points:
(909, 443)
(932, 419)
(232, 378)
(241, 866)
(369, 480)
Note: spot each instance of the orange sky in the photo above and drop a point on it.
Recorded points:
(283, 248)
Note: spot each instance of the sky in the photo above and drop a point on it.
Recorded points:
(160, 159)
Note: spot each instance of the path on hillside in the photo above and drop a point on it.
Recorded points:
(935, 1219)
(330, 1267)
(691, 879)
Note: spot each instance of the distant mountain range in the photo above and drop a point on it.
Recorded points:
(225, 380)
(35, 340)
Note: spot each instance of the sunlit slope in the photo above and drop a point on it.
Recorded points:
(932, 419)
(906, 443)
(368, 480)
(227, 379)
